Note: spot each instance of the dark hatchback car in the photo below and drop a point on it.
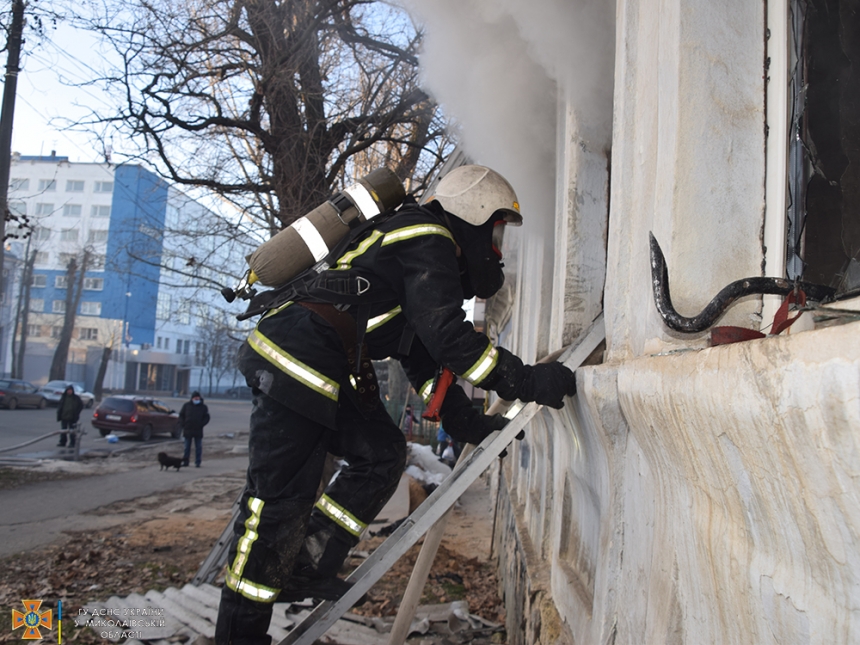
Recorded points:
(15, 393)
(137, 415)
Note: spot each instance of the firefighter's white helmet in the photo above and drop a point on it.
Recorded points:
(474, 193)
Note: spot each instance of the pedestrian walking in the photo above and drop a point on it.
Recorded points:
(193, 416)
(68, 414)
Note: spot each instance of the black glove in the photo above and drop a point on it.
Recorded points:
(545, 383)
(463, 422)
(471, 426)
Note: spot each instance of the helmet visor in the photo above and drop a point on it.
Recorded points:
(498, 237)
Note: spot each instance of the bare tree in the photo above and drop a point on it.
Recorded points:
(113, 341)
(23, 315)
(74, 288)
(272, 104)
(217, 353)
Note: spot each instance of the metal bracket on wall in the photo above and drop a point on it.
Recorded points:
(715, 308)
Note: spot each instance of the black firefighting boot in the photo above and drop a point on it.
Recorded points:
(242, 621)
(300, 588)
(319, 561)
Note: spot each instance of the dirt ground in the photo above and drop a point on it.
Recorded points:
(160, 542)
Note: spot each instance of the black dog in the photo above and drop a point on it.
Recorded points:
(169, 462)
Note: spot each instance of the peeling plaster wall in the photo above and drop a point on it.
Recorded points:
(756, 450)
(702, 497)
(582, 208)
(686, 494)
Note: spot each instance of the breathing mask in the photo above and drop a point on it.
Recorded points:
(480, 258)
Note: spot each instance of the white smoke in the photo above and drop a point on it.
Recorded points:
(498, 66)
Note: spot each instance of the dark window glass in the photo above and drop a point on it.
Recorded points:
(119, 405)
(824, 226)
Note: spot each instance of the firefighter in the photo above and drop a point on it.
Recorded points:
(309, 364)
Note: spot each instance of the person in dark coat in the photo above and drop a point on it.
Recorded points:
(68, 414)
(408, 419)
(193, 416)
(315, 391)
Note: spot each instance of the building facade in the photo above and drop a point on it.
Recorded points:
(689, 493)
(154, 262)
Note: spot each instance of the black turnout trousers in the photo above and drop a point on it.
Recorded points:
(280, 531)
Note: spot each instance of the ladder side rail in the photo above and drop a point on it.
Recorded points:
(435, 506)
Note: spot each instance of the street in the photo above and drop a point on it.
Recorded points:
(22, 425)
(44, 511)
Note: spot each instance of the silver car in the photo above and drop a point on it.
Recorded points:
(53, 390)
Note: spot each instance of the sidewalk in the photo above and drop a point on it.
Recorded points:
(37, 514)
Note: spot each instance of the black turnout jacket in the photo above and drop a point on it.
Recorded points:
(410, 262)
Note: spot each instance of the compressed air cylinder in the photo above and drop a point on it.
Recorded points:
(311, 237)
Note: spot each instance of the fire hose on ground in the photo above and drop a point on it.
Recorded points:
(77, 432)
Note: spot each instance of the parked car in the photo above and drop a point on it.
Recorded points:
(240, 392)
(15, 393)
(53, 390)
(139, 415)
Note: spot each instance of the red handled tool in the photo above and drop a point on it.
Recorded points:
(437, 394)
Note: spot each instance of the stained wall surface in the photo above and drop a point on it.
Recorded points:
(687, 494)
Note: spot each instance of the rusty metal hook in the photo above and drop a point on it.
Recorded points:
(737, 289)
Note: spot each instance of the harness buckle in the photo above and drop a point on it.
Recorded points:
(362, 285)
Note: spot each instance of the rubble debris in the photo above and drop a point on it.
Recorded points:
(417, 493)
(97, 564)
(478, 584)
(388, 529)
(424, 465)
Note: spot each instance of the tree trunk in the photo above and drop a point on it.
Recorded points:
(26, 278)
(98, 387)
(74, 288)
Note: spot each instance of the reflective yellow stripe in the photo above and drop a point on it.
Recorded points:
(292, 366)
(243, 548)
(340, 516)
(345, 261)
(417, 230)
(272, 312)
(398, 235)
(378, 321)
(426, 391)
(251, 590)
(234, 579)
(482, 368)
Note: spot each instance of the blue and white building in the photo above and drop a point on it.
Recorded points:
(156, 259)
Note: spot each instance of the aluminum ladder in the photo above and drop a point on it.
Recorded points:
(435, 506)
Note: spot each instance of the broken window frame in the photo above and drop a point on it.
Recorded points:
(806, 161)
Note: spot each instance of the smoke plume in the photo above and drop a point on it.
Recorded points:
(498, 68)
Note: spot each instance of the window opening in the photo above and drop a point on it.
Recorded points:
(824, 153)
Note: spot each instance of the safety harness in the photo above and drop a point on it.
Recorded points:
(318, 284)
(329, 294)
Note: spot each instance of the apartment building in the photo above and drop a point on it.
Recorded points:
(153, 263)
